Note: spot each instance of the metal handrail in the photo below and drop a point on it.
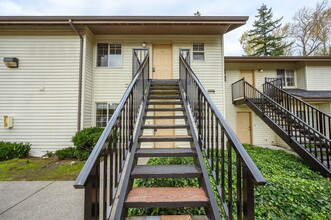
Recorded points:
(257, 176)
(83, 175)
(288, 101)
(232, 169)
(104, 167)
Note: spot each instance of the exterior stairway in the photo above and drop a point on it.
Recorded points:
(164, 98)
(218, 157)
(310, 143)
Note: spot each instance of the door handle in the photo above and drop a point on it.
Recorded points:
(153, 69)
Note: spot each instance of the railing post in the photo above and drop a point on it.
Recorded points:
(248, 187)
(244, 89)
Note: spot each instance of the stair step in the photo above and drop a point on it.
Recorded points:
(165, 97)
(169, 217)
(164, 109)
(166, 117)
(165, 152)
(164, 92)
(157, 87)
(165, 103)
(166, 197)
(164, 126)
(166, 171)
(177, 138)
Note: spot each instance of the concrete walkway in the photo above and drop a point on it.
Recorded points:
(40, 200)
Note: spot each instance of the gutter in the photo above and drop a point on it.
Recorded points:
(80, 75)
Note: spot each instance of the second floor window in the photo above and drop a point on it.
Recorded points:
(198, 51)
(109, 55)
(287, 77)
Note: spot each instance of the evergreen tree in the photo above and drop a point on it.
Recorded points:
(263, 38)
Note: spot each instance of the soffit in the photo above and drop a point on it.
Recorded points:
(137, 24)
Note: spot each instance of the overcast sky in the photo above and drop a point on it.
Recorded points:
(281, 8)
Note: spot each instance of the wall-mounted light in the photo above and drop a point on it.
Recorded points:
(144, 45)
(261, 70)
(11, 62)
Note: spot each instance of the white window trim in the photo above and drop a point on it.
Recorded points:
(108, 67)
(295, 78)
(109, 104)
(204, 52)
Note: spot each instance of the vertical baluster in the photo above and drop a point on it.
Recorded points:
(119, 136)
(217, 148)
(329, 128)
(105, 180)
(205, 124)
(116, 156)
(208, 130)
(131, 120)
(239, 189)
(200, 117)
(223, 165)
(230, 182)
(111, 167)
(212, 142)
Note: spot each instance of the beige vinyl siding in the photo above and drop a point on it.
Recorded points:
(109, 84)
(41, 94)
(87, 79)
(318, 77)
(301, 77)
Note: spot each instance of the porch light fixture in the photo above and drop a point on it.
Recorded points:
(144, 45)
(260, 70)
(11, 62)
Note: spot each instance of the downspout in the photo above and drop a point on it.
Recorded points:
(80, 75)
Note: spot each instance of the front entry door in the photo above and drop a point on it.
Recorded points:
(244, 130)
(162, 61)
(162, 69)
(248, 74)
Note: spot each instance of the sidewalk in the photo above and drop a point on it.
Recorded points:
(40, 200)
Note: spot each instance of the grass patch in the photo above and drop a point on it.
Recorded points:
(39, 169)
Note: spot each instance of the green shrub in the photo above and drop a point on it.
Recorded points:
(10, 150)
(86, 139)
(66, 153)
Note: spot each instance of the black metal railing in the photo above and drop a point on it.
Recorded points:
(315, 118)
(138, 57)
(278, 82)
(101, 173)
(233, 171)
(312, 141)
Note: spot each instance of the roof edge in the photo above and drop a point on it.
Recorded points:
(246, 59)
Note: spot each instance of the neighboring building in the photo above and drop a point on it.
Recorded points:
(65, 83)
(308, 78)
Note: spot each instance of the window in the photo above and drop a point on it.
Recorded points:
(198, 51)
(103, 113)
(109, 55)
(287, 77)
